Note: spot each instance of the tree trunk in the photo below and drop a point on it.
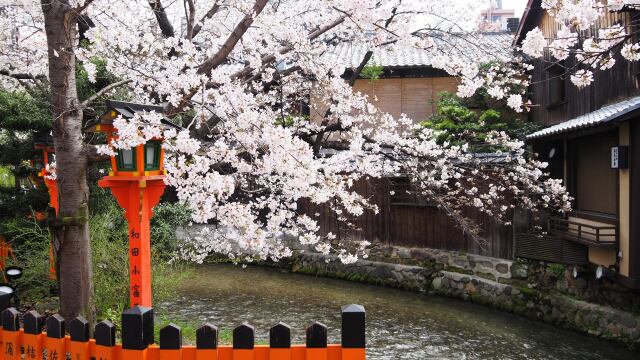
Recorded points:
(72, 241)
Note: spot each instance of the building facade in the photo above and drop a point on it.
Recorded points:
(592, 143)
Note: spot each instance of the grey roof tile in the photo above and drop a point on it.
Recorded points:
(485, 46)
(601, 116)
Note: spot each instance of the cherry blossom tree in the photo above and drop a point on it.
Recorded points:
(237, 72)
(582, 34)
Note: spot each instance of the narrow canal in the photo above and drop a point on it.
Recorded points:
(400, 324)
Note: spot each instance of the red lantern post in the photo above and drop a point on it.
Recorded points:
(45, 143)
(137, 182)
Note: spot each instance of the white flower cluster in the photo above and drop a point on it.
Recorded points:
(50, 171)
(582, 20)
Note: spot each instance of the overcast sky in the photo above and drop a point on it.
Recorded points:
(517, 5)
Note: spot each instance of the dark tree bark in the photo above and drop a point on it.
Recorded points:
(161, 16)
(72, 240)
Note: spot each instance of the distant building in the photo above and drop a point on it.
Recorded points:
(495, 18)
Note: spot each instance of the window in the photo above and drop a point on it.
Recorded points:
(126, 160)
(152, 155)
(555, 81)
(595, 183)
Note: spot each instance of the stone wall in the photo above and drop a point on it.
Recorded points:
(483, 266)
(471, 278)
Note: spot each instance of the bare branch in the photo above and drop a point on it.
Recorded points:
(221, 55)
(21, 76)
(358, 70)
(232, 39)
(214, 9)
(103, 91)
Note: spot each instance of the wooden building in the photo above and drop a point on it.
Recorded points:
(592, 142)
(409, 85)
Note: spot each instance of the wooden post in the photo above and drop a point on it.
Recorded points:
(243, 342)
(317, 341)
(137, 332)
(170, 343)
(105, 336)
(79, 333)
(280, 341)
(207, 342)
(33, 339)
(55, 341)
(353, 332)
(11, 335)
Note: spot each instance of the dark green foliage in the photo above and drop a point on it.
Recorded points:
(21, 115)
(20, 111)
(87, 88)
(457, 123)
(21, 202)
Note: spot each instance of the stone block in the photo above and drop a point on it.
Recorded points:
(502, 268)
(404, 253)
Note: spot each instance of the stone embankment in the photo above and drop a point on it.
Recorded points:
(498, 283)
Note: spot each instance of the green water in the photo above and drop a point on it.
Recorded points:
(400, 324)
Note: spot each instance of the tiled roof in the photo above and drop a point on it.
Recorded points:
(603, 115)
(473, 46)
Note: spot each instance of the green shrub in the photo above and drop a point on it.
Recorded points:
(557, 270)
(458, 121)
(167, 217)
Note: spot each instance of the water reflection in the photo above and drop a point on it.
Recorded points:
(400, 325)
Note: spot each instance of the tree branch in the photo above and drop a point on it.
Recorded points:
(163, 21)
(221, 55)
(214, 9)
(92, 154)
(102, 91)
(21, 76)
(190, 13)
(358, 70)
(232, 39)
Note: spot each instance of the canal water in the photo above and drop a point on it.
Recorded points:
(400, 324)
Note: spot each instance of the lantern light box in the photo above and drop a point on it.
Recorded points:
(143, 160)
(136, 180)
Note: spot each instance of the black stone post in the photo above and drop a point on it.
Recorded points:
(10, 320)
(317, 336)
(353, 326)
(55, 327)
(105, 333)
(137, 328)
(170, 337)
(280, 336)
(243, 336)
(33, 323)
(207, 337)
(79, 329)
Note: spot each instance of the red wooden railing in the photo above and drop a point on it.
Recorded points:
(30, 342)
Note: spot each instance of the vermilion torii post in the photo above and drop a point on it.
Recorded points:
(137, 182)
(44, 142)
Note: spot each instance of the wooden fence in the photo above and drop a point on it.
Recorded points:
(405, 221)
(30, 342)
